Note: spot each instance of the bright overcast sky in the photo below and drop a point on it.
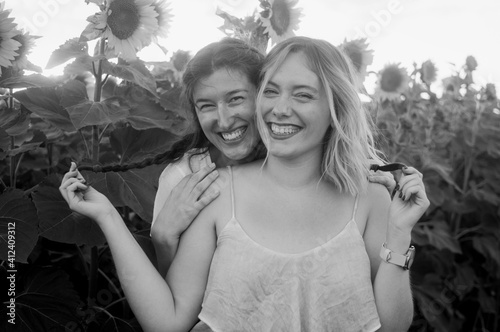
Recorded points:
(405, 31)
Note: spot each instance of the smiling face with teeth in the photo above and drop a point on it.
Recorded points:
(295, 110)
(225, 107)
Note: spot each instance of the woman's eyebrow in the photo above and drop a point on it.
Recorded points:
(227, 94)
(294, 87)
(202, 100)
(235, 91)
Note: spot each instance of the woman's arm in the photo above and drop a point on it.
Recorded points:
(181, 206)
(157, 305)
(392, 222)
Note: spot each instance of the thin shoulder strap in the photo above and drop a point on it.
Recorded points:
(232, 190)
(355, 207)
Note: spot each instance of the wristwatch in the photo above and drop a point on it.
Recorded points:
(405, 261)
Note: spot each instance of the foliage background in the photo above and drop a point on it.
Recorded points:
(103, 112)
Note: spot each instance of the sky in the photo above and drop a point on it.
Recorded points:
(398, 31)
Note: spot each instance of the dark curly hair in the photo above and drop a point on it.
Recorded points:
(228, 53)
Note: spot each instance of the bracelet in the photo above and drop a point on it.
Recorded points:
(405, 261)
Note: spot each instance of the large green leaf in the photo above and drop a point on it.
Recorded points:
(133, 144)
(14, 122)
(44, 102)
(91, 113)
(150, 115)
(438, 234)
(17, 214)
(5, 140)
(80, 65)
(135, 72)
(488, 247)
(117, 324)
(45, 301)
(30, 81)
(72, 48)
(73, 92)
(134, 188)
(58, 222)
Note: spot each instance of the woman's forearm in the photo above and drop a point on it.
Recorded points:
(392, 287)
(166, 249)
(148, 294)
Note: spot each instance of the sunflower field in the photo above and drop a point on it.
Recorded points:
(111, 108)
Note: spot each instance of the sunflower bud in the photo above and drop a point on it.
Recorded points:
(428, 72)
(471, 63)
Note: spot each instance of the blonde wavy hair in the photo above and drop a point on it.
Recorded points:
(349, 143)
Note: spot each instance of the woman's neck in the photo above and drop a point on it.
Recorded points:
(221, 160)
(298, 173)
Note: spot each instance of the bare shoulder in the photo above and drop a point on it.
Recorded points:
(377, 194)
(219, 210)
(373, 204)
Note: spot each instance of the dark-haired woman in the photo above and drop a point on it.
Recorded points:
(220, 86)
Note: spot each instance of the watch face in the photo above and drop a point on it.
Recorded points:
(410, 256)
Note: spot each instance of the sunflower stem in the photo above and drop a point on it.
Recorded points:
(97, 98)
(12, 165)
(12, 158)
(94, 257)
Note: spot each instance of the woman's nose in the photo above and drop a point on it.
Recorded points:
(282, 107)
(224, 118)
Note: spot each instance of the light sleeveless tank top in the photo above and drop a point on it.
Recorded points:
(253, 288)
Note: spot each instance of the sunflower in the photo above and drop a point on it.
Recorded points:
(128, 25)
(8, 46)
(452, 86)
(428, 72)
(392, 82)
(180, 59)
(361, 57)
(490, 91)
(164, 18)
(280, 18)
(470, 63)
(27, 42)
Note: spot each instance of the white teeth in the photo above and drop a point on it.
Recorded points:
(238, 133)
(283, 130)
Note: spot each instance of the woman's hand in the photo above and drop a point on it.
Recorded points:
(410, 200)
(187, 199)
(384, 178)
(82, 198)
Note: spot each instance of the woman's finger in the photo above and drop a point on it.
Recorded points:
(416, 194)
(71, 173)
(411, 170)
(64, 186)
(200, 175)
(408, 178)
(207, 198)
(74, 194)
(201, 186)
(385, 179)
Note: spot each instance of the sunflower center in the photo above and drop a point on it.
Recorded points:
(280, 20)
(124, 18)
(391, 79)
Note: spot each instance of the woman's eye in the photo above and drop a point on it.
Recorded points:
(205, 107)
(304, 96)
(236, 100)
(270, 92)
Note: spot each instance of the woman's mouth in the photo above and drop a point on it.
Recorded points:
(283, 130)
(234, 135)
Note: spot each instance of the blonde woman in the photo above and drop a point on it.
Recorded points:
(298, 242)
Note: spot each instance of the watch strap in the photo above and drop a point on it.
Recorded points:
(392, 257)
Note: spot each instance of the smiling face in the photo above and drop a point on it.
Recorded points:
(295, 109)
(225, 106)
